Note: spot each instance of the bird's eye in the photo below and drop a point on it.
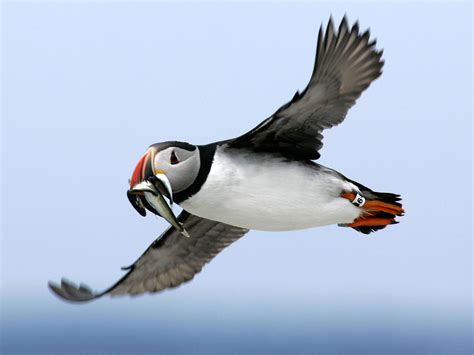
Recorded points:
(173, 159)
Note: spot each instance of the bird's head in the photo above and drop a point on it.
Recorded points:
(176, 164)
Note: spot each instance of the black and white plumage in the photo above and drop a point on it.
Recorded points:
(265, 179)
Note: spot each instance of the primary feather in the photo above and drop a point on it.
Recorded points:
(346, 63)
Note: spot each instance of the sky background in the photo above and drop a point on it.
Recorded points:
(86, 87)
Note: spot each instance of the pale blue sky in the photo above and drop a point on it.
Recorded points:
(88, 86)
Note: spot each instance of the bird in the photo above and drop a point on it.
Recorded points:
(266, 179)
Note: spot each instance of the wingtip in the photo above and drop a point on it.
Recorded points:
(69, 291)
(344, 25)
(331, 21)
(355, 27)
(54, 287)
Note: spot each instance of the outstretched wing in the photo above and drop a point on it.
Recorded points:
(168, 262)
(346, 64)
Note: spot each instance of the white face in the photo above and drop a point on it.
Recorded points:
(180, 166)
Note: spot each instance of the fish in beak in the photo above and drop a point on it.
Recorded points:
(147, 188)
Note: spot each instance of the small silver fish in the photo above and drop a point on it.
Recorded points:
(156, 200)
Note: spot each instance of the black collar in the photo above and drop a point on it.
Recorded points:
(206, 153)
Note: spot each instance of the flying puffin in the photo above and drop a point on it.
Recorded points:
(266, 179)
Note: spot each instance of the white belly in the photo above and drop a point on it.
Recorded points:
(270, 194)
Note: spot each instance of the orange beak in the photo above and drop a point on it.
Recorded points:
(143, 169)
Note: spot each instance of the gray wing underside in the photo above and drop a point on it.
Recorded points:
(169, 261)
(346, 64)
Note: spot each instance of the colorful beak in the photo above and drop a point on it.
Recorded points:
(143, 170)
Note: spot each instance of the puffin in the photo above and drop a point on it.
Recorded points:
(267, 179)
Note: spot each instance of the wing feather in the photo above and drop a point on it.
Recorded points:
(168, 262)
(346, 64)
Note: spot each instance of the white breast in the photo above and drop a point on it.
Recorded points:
(259, 191)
